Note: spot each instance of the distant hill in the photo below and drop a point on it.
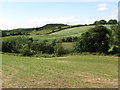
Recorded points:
(26, 31)
(50, 26)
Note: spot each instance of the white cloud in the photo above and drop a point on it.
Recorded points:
(102, 7)
(5, 24)
(38, 22)
(64, 20)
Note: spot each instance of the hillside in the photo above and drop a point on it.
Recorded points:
(53, 31)
(27, 31)
(52, 28)
(70, 32)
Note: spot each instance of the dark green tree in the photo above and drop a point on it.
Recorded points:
(96, 23)
(115, 39)
(102, 22)
(95, 40)
(112, 21)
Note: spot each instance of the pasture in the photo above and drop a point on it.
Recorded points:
(71, 32)
(85, 71)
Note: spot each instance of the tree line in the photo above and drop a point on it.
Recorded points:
(103, 22)
(99, 39)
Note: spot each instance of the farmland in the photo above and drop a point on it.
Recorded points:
(59, 45)
(72, 32)
(60, 72)
(67, 58)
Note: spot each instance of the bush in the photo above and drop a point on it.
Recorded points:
(114, 50)
(59, 50)
(69, 39)
(25, 51)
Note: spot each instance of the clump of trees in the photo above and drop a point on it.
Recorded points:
(17, 45)
(27, 46)
(100, 40)
(95, 40)
(103, 22)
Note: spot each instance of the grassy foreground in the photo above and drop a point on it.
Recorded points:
(62, 72)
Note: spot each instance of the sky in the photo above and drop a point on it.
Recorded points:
(36, 14)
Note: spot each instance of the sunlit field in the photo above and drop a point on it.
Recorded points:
(85, 71)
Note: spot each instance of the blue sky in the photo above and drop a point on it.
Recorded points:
(36, 14)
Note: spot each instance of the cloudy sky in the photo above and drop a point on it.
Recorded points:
(36, 14)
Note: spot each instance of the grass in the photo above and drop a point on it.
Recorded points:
(71, 32)
(42, 32)
(69, 46)
(85, 71)
(51, 30)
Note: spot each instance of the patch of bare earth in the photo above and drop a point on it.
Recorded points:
(62, 61)
(99, 82)
(96, 82)
(79, 56)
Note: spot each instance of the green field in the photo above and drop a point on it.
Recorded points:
(71, 32)
(60, 72)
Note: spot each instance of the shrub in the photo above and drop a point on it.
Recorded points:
(59, 50)
(25, 50)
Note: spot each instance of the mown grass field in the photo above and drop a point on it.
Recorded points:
(60, 72)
